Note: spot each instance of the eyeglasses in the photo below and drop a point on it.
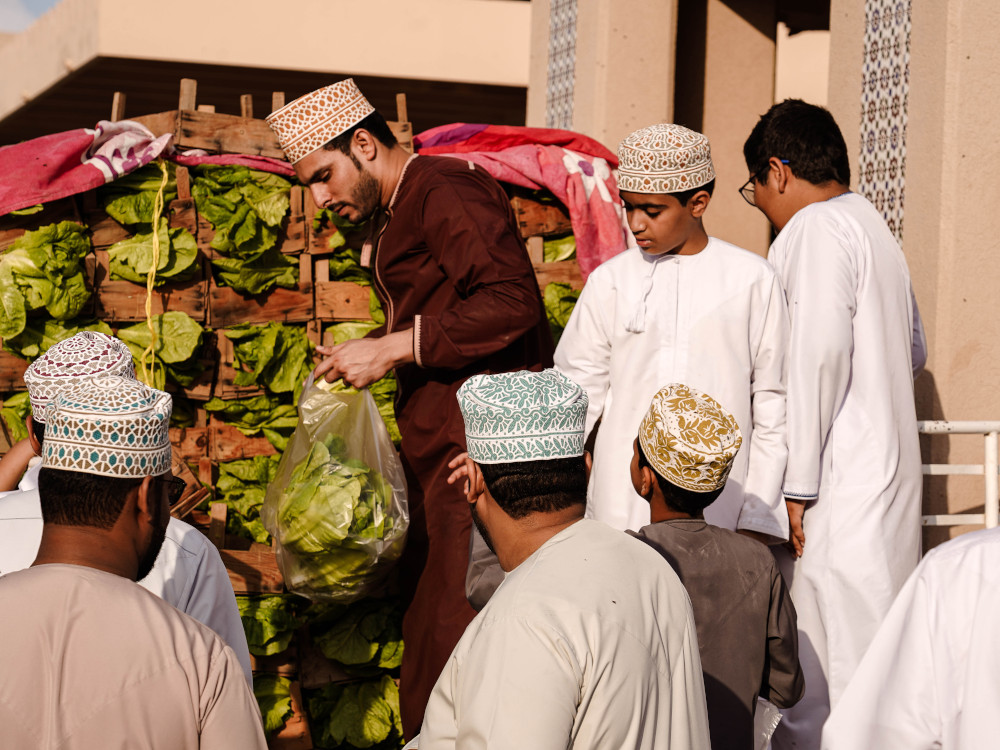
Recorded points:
(175, 488)
(747, 190)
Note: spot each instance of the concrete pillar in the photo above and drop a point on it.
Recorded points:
(738, 87)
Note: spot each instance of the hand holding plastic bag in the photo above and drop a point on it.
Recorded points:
(337, 505)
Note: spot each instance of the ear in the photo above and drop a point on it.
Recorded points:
(147, 500)
(35, 445)
(588, 462)
(647, 480)
(476, 485)
(365, 143)
(698, 203)
(780, 173)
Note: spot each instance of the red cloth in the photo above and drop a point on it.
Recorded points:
(463, 137)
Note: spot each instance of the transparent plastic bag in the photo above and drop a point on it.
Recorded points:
(337, 505)
(765, 720)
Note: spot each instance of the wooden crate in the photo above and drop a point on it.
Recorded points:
(226, 443)
(292, 235)
(295, 735)
(190, 443)
(537, 219)
(12, 370)
(225, 386)
(227, 307)
(340, 300)
(563, 272)
(12, 227)
(252, 571)
(120, 301)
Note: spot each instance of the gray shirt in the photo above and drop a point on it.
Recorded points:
(744, 618)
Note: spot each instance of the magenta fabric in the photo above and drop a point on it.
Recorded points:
(463, 137)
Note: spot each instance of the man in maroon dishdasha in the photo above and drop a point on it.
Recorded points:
(460, 298)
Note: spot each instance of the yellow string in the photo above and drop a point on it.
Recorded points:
(147, 371)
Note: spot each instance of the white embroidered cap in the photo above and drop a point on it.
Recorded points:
(72, 361)
(664, 158)
(111, 426)
(522, 416)
(689, 438)
(312, 120)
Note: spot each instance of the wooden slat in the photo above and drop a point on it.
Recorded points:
(286, 663)
(227, 134)
(217, 524)
(189, 94)
(277, 100)
(341, 300)
(123, 301)
(315, 670)
(228, 308)
(226, 443)
(401, 114)
(253, 571)
(536, 249)
(118, 106)
(161, 123)
(563, 272)
(246, 105)
(295, 734)
(12, 372)
(12, 227)
(225, 387)
(534, 218)
(191, 443)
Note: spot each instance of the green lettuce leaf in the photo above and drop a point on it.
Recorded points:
(274, 696)
(267, 270)
(241, 486)
(38, 335)
(129, 200)
(178, 343)
(278, 356)
(559, 299)
(269, 415)
(559, 248)
(358, 715)
(132, 258)
(364, 639)
(29, 210)
(269, 622)
(15, 410)
(45, 268)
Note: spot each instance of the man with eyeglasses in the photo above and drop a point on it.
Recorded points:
(89, 658)
(853, 481)
(188, 572)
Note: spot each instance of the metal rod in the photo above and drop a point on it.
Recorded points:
(992, 504)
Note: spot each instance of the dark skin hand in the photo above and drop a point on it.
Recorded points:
(796, 536)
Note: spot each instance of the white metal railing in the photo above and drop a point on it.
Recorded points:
(989, 469)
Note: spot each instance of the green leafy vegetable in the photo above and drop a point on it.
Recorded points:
(269, 622)
(364, 639)
(15, 410)
(269, 269)
(178, 342)
(241, 487)
(245, 206)
(274, 696)
(328, 515)
(129, 199)
(278, 356)
(559, 248)
(38, 335)
(43, 268)
(132, 258)
(28, 211)
(184, 413)
(560, 299)
(358, 715)
(268, 415)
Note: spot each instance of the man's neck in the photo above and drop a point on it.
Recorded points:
(88, 546)
(520, 539)
(391, 173)
(660, 511)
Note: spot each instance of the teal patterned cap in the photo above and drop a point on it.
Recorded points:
(108, 425)
(522, 416)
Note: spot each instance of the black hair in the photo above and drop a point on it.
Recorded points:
(374, 124)
(685, 195)
(537, 486)
(75, 498)
(804, 134)
(39, 429)
(679, 498)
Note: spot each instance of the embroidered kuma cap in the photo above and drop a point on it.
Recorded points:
(72, 361)
(664, 158)
(108, 425)
(312, 120)
(522, 416)
(689, 438)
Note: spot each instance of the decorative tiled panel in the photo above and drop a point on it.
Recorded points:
(885, 89)
(562, 64)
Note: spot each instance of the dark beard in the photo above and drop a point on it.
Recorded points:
(482, 529)
(366, 193)
(148, 558)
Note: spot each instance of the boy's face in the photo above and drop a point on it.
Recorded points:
(659, 222)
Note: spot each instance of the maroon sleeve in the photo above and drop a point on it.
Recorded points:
(470, 231)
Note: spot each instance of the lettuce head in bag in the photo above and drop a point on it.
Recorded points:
(337, 505)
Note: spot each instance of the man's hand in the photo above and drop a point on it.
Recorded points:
(461, 471)
(363, 361)
(796, 536)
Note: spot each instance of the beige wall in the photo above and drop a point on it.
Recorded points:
(437, 40)
(802, 66)
(846, 43)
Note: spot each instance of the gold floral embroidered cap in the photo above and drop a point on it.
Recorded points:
(310, 121)
(664, 158)
(689, 438)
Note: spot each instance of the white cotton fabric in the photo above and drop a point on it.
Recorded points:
(589, 643)
(188, 572)
(91, 660)
(716, 321)
(929, 679)
(853, 454)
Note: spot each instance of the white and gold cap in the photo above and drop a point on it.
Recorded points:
(664, 158)
(312, 120)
